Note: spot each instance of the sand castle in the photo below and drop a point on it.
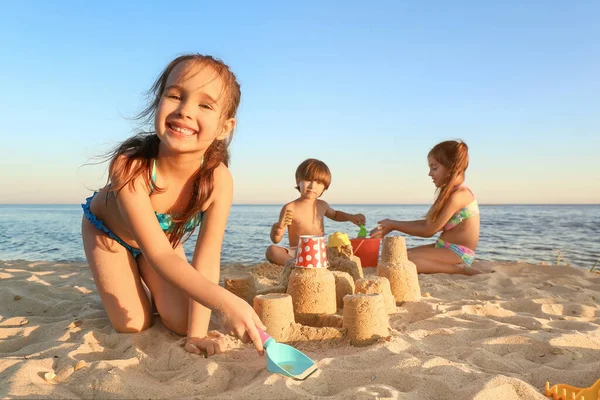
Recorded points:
(399, 271)
(375, 285)
(341, 256)
(276, 311)
(344, 285)
(365, 318)
(242, 285)
(313, 293)
(323, 293)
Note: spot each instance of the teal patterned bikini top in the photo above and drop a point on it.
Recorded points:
(166, 220)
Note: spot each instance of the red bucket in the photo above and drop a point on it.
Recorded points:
(367, 250)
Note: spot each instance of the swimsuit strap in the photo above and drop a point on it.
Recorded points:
(154, 171)
(166, 220)
(153, 176)
(469, 189)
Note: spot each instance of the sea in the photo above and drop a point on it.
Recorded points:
(565, 234)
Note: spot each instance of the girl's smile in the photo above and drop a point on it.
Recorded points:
(180, 130)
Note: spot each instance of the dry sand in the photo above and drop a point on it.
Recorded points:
(493, 336)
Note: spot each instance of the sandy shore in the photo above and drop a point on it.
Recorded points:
(494, 336)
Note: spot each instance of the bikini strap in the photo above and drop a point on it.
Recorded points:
(465, 186)
(154, 171)
(469, 189)
(153, 176)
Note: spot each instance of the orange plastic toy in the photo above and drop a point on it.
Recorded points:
(566, 392)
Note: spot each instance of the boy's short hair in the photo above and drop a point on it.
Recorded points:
(313, 170)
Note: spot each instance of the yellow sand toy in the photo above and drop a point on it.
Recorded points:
(338, 239)
(566, 392)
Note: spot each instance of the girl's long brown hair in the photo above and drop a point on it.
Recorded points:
(454, 156)
(134, 156)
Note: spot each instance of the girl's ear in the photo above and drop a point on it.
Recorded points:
(228, 126)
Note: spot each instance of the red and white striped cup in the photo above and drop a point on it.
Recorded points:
(312, 252)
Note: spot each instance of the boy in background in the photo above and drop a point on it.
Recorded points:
(304, 215)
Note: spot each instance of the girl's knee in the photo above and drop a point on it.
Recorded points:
(132, 325)
(177, 325)
(414, 257)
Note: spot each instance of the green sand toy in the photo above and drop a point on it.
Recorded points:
(362, 233)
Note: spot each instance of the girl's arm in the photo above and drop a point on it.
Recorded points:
(207, 254)
(414, 228)
(421, 228)
(135, 207)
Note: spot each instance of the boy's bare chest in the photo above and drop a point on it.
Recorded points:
(308, 220)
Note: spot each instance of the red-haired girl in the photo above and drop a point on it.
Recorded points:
(455, 213)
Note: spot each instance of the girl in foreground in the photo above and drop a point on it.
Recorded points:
(162, 185)
(455, 213)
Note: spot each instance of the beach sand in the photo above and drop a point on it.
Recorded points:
(500, 335)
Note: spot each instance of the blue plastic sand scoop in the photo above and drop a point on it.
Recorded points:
(286, 360)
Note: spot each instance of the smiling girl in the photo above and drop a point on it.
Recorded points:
(163, 184)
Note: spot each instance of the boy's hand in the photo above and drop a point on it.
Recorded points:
(358, 219)
(287, 219)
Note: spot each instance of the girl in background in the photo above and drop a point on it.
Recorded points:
(455, 213)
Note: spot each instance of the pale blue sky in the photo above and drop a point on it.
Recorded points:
(368, 87)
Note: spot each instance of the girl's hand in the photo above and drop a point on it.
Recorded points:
(240, 320)
(213, 343)
(358, 219)
(385, 226)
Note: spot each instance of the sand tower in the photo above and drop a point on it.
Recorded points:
(311, 285)
(399, 271)
(378, 284)
(241, 284)
(341, 257)
(344, 284)
(275, 310)
(365, 318)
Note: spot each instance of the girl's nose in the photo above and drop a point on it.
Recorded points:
(184, 109)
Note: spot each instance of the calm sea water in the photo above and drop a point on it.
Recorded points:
(508, 232)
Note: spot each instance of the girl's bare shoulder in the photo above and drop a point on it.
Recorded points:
(462, 195)
(222, 174)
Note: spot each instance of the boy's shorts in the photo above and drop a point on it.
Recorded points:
(290, 250)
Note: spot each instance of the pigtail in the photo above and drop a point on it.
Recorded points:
(217, 153)
(123, 168)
